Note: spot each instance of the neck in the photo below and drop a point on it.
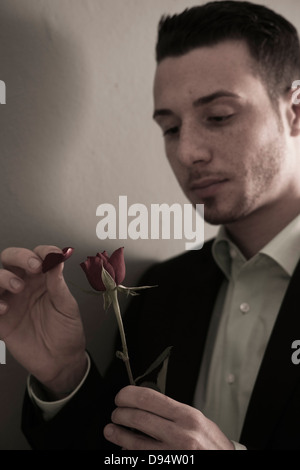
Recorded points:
(256, 230)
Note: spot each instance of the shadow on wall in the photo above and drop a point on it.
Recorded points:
(41, 69)
(38, 65)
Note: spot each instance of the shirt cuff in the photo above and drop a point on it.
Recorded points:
(238, 446)
(51, 408)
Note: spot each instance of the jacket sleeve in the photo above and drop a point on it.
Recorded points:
(79, 425)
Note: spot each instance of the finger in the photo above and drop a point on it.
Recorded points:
(14, 259)
(152, 425)
(58, 289)
(3, 307)
(128, 439)
(149, 400)
(43, 250)
(18, 261)
(10, 282)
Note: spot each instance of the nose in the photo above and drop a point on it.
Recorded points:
(193, 146)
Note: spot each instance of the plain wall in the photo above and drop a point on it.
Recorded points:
(76, 132)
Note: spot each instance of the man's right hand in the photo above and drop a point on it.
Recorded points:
(40, 321)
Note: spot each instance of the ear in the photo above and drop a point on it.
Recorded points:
(295, 122)
(294, 109)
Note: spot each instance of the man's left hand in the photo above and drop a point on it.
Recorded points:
(163, 424)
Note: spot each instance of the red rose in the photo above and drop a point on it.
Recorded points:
(114, 265)
(105, 274)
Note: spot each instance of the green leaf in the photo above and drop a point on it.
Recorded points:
(107, 280)
(106, 300)
(162, 376)
(160, 359)
(132, 290)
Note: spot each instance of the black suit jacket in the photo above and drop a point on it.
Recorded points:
(177, 313)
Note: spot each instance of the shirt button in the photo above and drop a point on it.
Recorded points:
(230, 379)
(233, 253)
(244, 307)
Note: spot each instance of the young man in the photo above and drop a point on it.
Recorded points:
(222, 97)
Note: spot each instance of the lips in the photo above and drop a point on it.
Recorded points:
(207, 186)
(206, 182)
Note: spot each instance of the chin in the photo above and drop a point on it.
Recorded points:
(222, 217)
(218, 212)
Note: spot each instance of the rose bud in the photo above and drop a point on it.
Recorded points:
(114, 265)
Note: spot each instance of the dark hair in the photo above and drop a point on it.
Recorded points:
(272, 40)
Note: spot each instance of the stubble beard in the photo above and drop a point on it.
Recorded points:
(256, 189)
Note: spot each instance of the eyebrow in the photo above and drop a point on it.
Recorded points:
(198, 102)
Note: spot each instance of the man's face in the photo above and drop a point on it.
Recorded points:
(223, 138)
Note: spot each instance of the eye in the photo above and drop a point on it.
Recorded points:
(219, 119)
(171, 131)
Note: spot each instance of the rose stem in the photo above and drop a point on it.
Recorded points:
(114, 298)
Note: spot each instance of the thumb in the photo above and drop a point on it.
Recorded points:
(59, 293)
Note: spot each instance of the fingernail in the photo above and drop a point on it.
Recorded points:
(16, 284)
(3, 306)
(34, 263)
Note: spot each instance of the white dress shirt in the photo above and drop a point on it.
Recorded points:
(244, 315)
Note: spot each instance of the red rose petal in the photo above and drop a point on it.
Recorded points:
(93, 268)
(118, 263)
(53, 259)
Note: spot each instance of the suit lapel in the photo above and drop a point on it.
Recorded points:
(277, 375)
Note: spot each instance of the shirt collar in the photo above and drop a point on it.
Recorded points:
(221, 251)
(284, 249)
